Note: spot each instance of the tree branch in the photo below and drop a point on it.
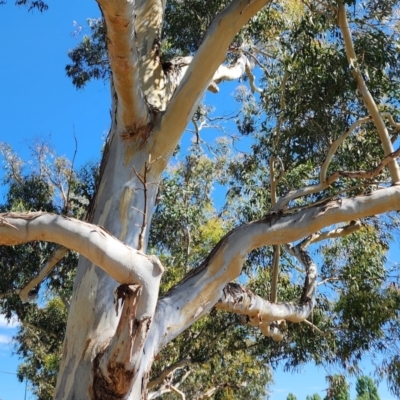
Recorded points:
(168, 387)
(167, 371)
(201, 289)
(294, 194)
(365, 93)
(177, 391)
(210, 392)
(335, 145)
(132, 113)
(354, 226)
(121, 262)
(277, 249)
(57, 255)
(263, 313)
(199, 74)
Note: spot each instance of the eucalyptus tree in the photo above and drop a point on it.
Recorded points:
(315, 396)
(330, 77)
(338, 389)
(366, 389)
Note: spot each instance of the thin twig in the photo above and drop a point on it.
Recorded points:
(71, 172)
(177, 391)
(313, 326)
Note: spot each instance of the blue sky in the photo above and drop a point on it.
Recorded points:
(38, 100)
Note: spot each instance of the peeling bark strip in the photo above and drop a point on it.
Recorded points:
(114, 368)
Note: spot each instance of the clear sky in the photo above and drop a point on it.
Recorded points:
(38, 100)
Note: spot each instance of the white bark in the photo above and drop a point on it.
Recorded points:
(203, 287)
(367, 97)
(122, 263)
(232, 72)
(200, 72)
(132, 113)
(92, 320)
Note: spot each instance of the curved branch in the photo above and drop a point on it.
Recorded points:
(177, 391)
(335, 145)
(132, 114)
(240, 300)
(201, 289)
(231, 72)
(113, 369)
(178, 66)
(365, 93)
(123, 263)
(260, 312)
(284, 201)
(210, 392)
(391, 120)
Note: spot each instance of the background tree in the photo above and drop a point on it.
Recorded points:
(366, 389)
(338, 388)
(315, 396)
(321, 166)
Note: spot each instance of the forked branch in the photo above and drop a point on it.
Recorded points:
(367, 97)
(167, 371)
(209, 57)
(284, 201)
(183, 305)
(265, 314)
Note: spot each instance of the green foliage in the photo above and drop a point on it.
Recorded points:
(30, 4)
(291, 396)
(37, 186)
(315, 396)
(338, 388)
(186, 23)
(89, 59)
(40, 344)
(185, 228)
(366, 389)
